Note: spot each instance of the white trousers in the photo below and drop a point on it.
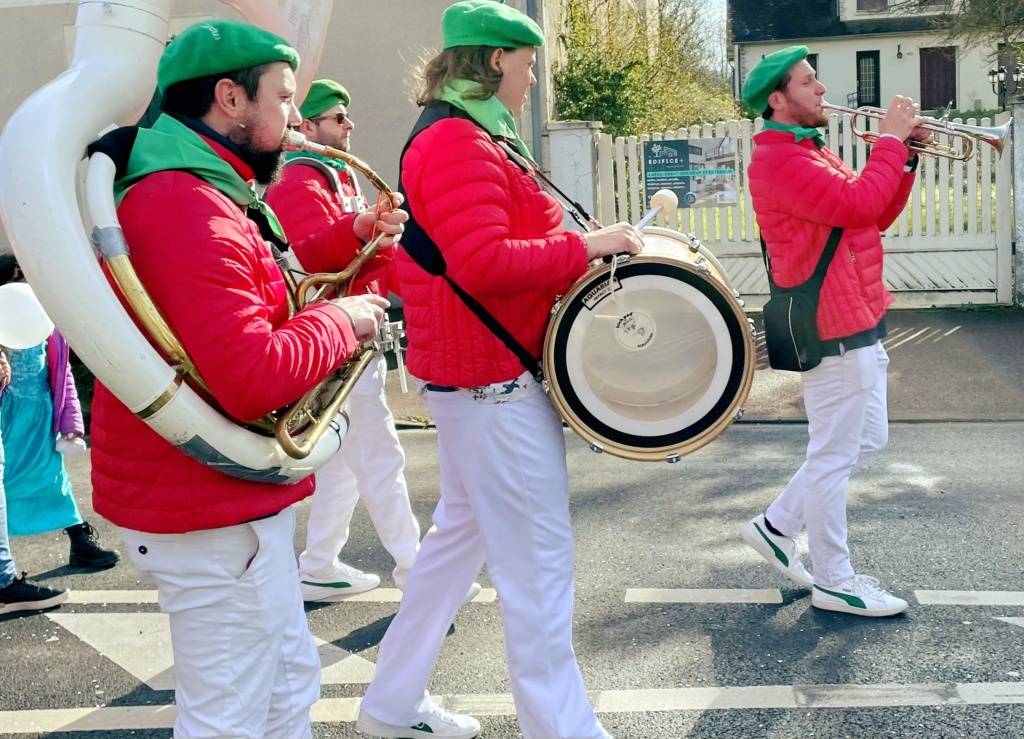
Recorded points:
(245, 664)
(371, 466)
(504, 501)
(847, 420)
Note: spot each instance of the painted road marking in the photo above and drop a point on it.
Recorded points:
(344, 710)
(738, 595)
(140, 643)
(707, 595)
(633, 595)
(1013, 620)
(377, 595)
(969, 597)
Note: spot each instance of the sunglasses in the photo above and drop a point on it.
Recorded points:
(339, 118)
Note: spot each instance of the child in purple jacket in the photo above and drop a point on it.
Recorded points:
(40, 417)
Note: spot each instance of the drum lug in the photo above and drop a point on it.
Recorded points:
(741, 302)
(735, 293)
(694, 242)
(596, 448)
(702, 265)
(672, 458)
(739, 413)
(750, 322)
(558, 304)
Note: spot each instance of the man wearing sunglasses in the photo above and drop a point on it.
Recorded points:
(314, 192)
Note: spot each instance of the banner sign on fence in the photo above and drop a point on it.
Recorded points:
(701, 172)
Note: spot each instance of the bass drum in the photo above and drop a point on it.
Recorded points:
(653, 357)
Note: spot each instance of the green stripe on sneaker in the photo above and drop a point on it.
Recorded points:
(423, 727)
(853, 600)
(340, 585)
(779, 554)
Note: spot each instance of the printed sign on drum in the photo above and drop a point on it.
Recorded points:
(701, 172)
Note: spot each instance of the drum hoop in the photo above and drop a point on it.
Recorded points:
(685, 440)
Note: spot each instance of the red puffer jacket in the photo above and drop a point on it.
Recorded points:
(214, 280)
(306, 203)
(800, 193)
(503, 241)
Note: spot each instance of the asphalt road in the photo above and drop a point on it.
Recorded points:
(939, 511)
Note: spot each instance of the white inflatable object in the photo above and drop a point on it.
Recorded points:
(23, 322)
(110, 81)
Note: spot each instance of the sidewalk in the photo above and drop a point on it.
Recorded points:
(947, 364)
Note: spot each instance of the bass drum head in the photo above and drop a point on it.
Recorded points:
(656, 368)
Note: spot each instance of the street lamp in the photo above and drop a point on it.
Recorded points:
(1006, 82)
(996, 78)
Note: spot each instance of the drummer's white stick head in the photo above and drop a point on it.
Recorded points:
(666, 200)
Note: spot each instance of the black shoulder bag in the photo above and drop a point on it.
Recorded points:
(791, 315)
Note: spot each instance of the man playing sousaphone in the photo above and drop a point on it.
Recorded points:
(803, 195)
(219, 548)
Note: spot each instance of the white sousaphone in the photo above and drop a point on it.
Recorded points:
(110, 81)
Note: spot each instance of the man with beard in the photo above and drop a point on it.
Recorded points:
(804, 196)
(220, 548)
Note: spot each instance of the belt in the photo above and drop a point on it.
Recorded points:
(838, 347)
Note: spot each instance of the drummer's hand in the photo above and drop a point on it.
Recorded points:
(5, 371)
(365, 312)
(615, 239)
(391, 222)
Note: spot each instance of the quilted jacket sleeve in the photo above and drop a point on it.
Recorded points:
(320, 234)
(813, 190)
(218, 287)
(459, 187)
(899, 201)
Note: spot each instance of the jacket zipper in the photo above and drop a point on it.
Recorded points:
(789, 321)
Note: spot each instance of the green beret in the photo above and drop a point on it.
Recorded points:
(488, 23)
(323, 95)
(220, 46)
(763, 78)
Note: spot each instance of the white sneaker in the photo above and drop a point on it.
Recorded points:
(779, 551)
(336, 583)
(435, 722)
(860, 595)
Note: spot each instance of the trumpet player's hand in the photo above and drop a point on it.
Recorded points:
(922, 135)
(618, 238)
(390, 222)
(902, 119)
(365, 312)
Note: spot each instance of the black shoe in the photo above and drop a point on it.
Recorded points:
(22, 595)
(86, 550)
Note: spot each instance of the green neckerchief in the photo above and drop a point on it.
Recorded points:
(799, 132)
(335, 163)
(495, 118)
(170, 144)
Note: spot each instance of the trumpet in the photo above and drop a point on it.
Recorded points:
(963, 135)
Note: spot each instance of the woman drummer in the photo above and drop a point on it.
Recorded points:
(501, 453)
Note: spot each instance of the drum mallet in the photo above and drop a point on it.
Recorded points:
(663, 201)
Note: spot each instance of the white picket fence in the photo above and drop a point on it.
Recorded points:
(951, 245)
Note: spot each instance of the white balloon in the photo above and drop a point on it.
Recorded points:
(23, 322)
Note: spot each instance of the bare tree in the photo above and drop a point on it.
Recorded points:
(996, 26)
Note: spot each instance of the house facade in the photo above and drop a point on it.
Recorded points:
(865, 51)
